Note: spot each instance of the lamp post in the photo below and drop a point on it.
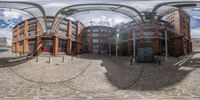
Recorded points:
(166, 46)
(116, 49)
(109, 46)
(134, 49)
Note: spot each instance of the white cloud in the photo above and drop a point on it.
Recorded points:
(195, 32)
(10, 15)
(7, 17)
(196, 17)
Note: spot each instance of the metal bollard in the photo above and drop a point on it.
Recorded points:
(37, 59)
(26, 57)
(49, 59)
(71, 57)
(131, 61)
(63, 59)
(78, 56)
(159, 62)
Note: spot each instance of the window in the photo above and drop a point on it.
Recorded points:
(47, 45)
(31, 33)
(73, 30)
(49, 23)
(149, 34)
(32, 27)
(160, 34)
(63, 26)
(95, 40)
(62, 33)
(95, 35)
(73, 37)
(62, 45)
(21, 36)
(95, 30)
(32, 45)
(64, 22)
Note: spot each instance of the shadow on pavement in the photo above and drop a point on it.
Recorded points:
(194, 63)
(143, 77)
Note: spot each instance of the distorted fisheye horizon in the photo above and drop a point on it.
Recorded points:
(11, 17)
(100, 50)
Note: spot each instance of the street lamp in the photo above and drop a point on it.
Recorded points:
(117, 37)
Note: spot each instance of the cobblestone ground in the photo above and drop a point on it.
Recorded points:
(97, 77)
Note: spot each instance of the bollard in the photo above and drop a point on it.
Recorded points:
(26, 57)
(71, 57)
(131, 61)
(37, 59)
(159, 62)
(49, 59)
(63, 59)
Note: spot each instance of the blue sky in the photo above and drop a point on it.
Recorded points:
(9, 18)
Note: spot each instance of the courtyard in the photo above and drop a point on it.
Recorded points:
(97, 77)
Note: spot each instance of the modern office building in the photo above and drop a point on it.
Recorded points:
(28, 37)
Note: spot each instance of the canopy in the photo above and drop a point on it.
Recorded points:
(33, 9)
(70, 10)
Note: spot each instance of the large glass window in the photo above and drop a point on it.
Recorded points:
(32, 34)
(63, 26)
(47, 45)
(48, 30)
(73, 30)
(15, 39)
(73, 37)
(73, 26)
(160, 34)
(95, 30)
(21, 46)
(62, 45)
(95, 35)
(21, 26)
(32, 45)
(22, 31)
(64, 22)
(95, 40)
(49, 23)
(150, 34)
(62, 33)
(32, 26)
(21, 36)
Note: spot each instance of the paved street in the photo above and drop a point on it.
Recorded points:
(97, 77)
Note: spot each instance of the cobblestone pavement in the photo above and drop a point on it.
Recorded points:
(97, 77)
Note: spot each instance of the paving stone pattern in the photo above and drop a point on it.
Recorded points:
(97, 77)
